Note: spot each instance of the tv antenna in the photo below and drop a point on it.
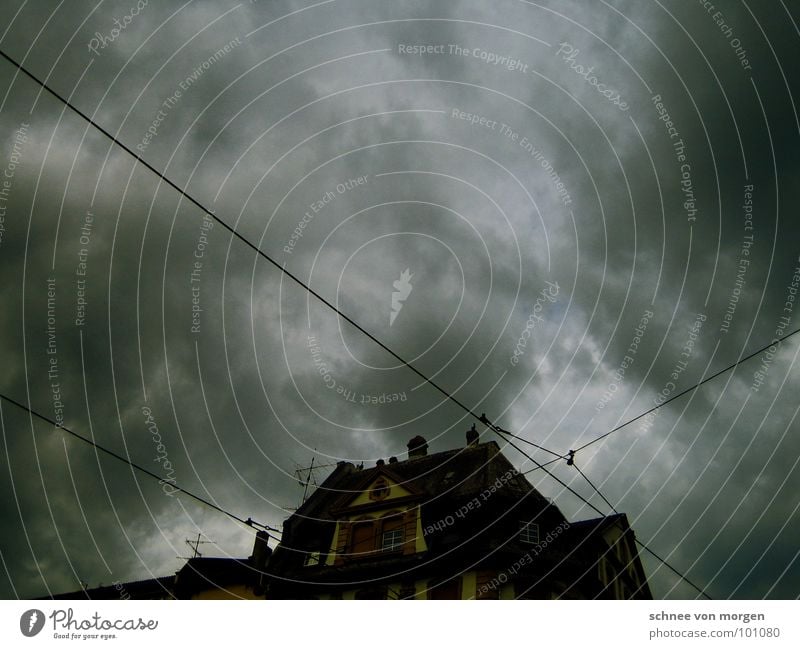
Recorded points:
(195, 544)
(305, 475)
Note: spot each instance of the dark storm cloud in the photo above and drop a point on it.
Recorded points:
(269, 129)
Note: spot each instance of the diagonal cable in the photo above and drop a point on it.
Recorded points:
(244, 240)
(249, 522)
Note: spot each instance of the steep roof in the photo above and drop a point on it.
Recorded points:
(452, 475)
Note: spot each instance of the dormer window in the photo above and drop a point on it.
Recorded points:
(529, 532)
(380, 489)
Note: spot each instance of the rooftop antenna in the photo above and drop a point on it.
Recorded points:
(308, 478)
(305, 475)
(195, 545)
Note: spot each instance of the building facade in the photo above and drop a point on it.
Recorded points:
(459, 524)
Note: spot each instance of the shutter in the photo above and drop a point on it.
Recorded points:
(362, 539)
(410, 531)
(341, 541)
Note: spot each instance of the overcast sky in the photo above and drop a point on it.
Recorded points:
(596, 203)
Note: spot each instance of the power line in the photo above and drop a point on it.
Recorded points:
(582, 499)
(540, 466)
(680, 394)
(249, 522)
(247, 242)
(591, 484)
(281, 267)
(640, 543)
(497, 429)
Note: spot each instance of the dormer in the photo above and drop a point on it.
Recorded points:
(380, 520)
(383, 488)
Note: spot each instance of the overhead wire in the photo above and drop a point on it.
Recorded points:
(210, 214)
(775, 341)
(597, 491)
(281, 267)
(596, 509)
(249, 522)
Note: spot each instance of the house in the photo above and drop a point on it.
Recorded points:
(459, 524)
(199, 578)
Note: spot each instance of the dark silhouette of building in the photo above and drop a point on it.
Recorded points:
(459, 524)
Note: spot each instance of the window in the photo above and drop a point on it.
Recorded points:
(380, 489)
(393, 533)
(392, 540)
(529, 532)
(369, 537)
(311, 559)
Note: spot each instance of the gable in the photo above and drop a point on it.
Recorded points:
(382, 489)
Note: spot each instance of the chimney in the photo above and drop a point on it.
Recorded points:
(417, 447)
(472, 436)
(380, 463)
(259, 560)
(261, 551)
(392, 460)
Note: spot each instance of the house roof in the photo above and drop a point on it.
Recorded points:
(453, 475)
(157, 588)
